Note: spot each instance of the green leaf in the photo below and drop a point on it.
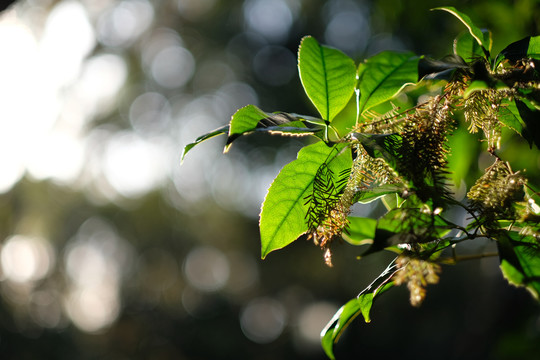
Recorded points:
(529, 115)
(533, 51)
(328, 77)
(200, 139)
(509, 116)
(283, 213)
(460, 161)
(244, 120)
(384, 75)
(250, 118)
(528, 47)
(375, 193)
(520, 261)
(360, 305)
(475, 32)
(360, 231)
(466, 46)
(429, 69)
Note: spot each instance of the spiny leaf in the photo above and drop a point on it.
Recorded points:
(284, 209)
(328, 77)
(200, 139)
(384, 75)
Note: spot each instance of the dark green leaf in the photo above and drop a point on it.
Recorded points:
(200, 139)
(530, 117)
(383, 76)
(328, 77)
(360, 305)
(528, 47)
(520, 261)
(284, 209)
(429, 69)
(360, 231)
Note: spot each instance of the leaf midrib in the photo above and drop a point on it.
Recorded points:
(382, 82)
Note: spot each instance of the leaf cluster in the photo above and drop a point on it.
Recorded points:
(400, 157)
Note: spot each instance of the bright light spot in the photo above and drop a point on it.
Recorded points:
(312, 319)
(95, 262)
(58, 156)
(207, 269)
(29, 105)
(158, 40)
(102, 78)
(87, 265)
(263, 320)
(68, 38)
(25, 259)
(92, 310)
(150, 113)
(273, 19)
(173, 67)
(134, 166)
(348, 31)
(124, 23)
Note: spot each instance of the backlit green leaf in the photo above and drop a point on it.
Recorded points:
(533, 51)
(250, 118)
(384, 75)
(466, 46)
(520, 261)
(200, 139)
(328, 77)
(283, 213)
(475, 31)
(360, 231)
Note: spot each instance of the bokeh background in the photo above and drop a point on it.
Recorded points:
(112, 250)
